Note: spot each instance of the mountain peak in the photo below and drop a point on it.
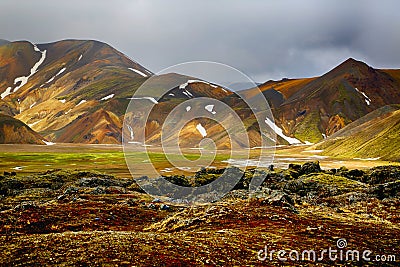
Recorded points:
(351, 62)
(347, 66)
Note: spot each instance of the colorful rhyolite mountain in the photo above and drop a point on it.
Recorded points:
(315, 108)
(69, 91)
(78, 91)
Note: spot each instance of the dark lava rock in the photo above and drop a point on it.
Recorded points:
(98, 191)
(132, 202)
(382, 174)
(8, 185)
(180, 180)
(96, 181)
(237, 194)
(156, 200)
(71, 190)
(387, 190)
(164, 207)
(310, 167)
(294, 186)
(293, 166)
(357, 175)
(25, 205)
(310, 188)
(273, 197)
(275, 180)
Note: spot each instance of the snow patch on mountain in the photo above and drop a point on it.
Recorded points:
(33, 124)
(6, 92)
(201, 130)
(107, 97)
(82, 101)
(366, 98)
(187, 93)
(48, 143)
(31, 106)
(61, 71)
(138, 72)
(131, 131)
(24, 79)
(58, 73)
(279, 132)
(210, 108)
(49, 81)
(183, 86)
(152, 99)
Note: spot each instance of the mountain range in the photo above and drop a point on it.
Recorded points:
(78, 91)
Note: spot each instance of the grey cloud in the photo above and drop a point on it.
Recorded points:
(264, 39)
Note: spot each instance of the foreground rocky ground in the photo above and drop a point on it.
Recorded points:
(89, 219)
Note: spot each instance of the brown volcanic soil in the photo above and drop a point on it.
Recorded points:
(88, 219)
(228, 240)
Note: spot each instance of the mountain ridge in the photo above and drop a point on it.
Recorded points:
(78, 90)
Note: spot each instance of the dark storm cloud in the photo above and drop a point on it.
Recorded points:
(264, 39)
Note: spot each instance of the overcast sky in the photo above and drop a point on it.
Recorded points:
(264, 39)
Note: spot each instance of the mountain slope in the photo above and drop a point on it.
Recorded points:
(65, 81)
(189, 126)
(339, 97)
(13, 131)
(314, 108)
(376, 135)
(286, 87)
